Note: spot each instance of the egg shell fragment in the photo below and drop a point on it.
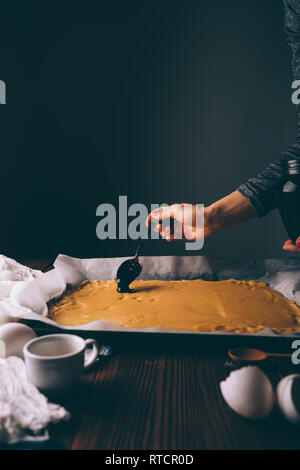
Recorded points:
(288, 397)
(249, 392)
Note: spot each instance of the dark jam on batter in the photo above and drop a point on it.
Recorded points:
(289, 200)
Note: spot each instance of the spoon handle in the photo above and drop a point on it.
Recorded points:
(279, 354)
(138, 249)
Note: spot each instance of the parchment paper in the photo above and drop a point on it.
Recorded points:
(28, 299)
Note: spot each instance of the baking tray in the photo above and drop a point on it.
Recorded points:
(282, 275)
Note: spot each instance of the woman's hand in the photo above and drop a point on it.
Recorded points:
(290, 246)
(179, 222)
(226, 212)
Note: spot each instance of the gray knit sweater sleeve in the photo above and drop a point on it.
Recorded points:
(261, 190)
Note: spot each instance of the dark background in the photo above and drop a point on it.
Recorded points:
(162, 101)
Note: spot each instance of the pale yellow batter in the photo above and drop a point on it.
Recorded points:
(231, 305)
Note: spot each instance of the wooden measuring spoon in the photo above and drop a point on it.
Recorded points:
(249, 354)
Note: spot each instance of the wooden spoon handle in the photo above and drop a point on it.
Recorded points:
(279, 355)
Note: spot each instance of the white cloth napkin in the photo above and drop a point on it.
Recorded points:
(24, 412)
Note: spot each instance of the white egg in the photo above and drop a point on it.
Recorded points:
(288, 397)
(249, 392)
(14, 336)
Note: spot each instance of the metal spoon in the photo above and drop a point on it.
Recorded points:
(249, 354)
(128, 271)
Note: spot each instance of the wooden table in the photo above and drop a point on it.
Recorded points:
(163, 393)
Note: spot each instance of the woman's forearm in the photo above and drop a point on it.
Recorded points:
(226, 212)
(261, 190)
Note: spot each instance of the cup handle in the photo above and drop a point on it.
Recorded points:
(93, 356)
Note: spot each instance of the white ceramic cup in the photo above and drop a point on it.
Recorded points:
(54, 363)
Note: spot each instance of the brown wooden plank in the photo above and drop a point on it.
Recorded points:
(148, 400)
(74, 403)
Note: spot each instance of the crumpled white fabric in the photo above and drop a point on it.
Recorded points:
(13, 273)
(24, 411)
(11, 270)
